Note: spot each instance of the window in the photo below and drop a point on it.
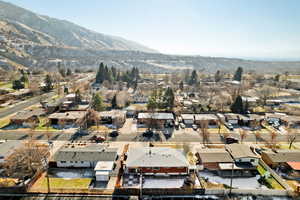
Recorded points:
(156, 168)
(62, 161)
(252, 160)
(82, 162)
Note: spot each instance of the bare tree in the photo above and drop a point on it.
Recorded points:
(26, 160)
(265, 93)
(273, 139)
(243, 134)
(291, 136)
(204, 131)
(257, 135)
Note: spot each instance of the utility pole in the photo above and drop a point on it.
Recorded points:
(232, 165)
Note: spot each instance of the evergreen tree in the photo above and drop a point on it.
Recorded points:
(181, 86)
(194, 78)
(77, 96)
(97, 103)
(17, 85)
(69, 72)
(114, 73)
(218, 76)
(48, 83)
(237, 106)
(100, 76)
(114, 104)
(24, 78)
(238, 74)
(169, 98)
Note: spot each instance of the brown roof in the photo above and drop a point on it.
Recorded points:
(214, 155)
(240, 151)
(73, 115)
(282, 156)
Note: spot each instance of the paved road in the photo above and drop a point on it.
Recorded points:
(63, 136)
(25, 104)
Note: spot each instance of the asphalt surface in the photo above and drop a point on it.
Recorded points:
(25, 104)
(61, 136)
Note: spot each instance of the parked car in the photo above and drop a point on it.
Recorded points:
(231, 140)
(114, 134)
(97, 138)
(176, 125)
(229, 126)
(195, 127)
(182, 125)
(148, 133)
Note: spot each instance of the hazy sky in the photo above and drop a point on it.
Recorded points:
(231, 28)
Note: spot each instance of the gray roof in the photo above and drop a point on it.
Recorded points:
(187, 116)
(73, 115)
(240, 151)
(205, 117)
(90, 152)
(156, 157)
(283, 156)
(166, 116)
(214, 155)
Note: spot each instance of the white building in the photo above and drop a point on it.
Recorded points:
(103, 170)
(84, 155)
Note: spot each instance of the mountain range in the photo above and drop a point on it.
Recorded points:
(28, 39)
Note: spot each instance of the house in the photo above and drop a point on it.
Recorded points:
(84, 155)
(113, 117)
(252, 101)
(52, 106)
(156, 160)
(103, 170)
(21, 93)
(188, 119)
(243, 155)
(210, 119)
(133, 109)
(66, 118)
(70, 97)
(155, 119)
(212, 158)
(27, 117)
(279, 157)
(232, 118)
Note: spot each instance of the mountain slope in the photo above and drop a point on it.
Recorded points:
(66, 33)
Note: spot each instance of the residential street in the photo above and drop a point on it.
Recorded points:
(22, 105)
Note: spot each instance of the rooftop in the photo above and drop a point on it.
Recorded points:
(281, 156)
(156, 157)
(214, 155)
(156, 116)
(240, 151)
(68, 115)
(206, 117)
(86, 152)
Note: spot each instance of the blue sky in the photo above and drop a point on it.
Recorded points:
(229, 28)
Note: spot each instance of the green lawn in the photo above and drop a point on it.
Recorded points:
(273, 183)
(4, 122)
(42, 125)
(6, 85)
(61, 183)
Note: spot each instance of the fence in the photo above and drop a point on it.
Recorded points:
(275, 175)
